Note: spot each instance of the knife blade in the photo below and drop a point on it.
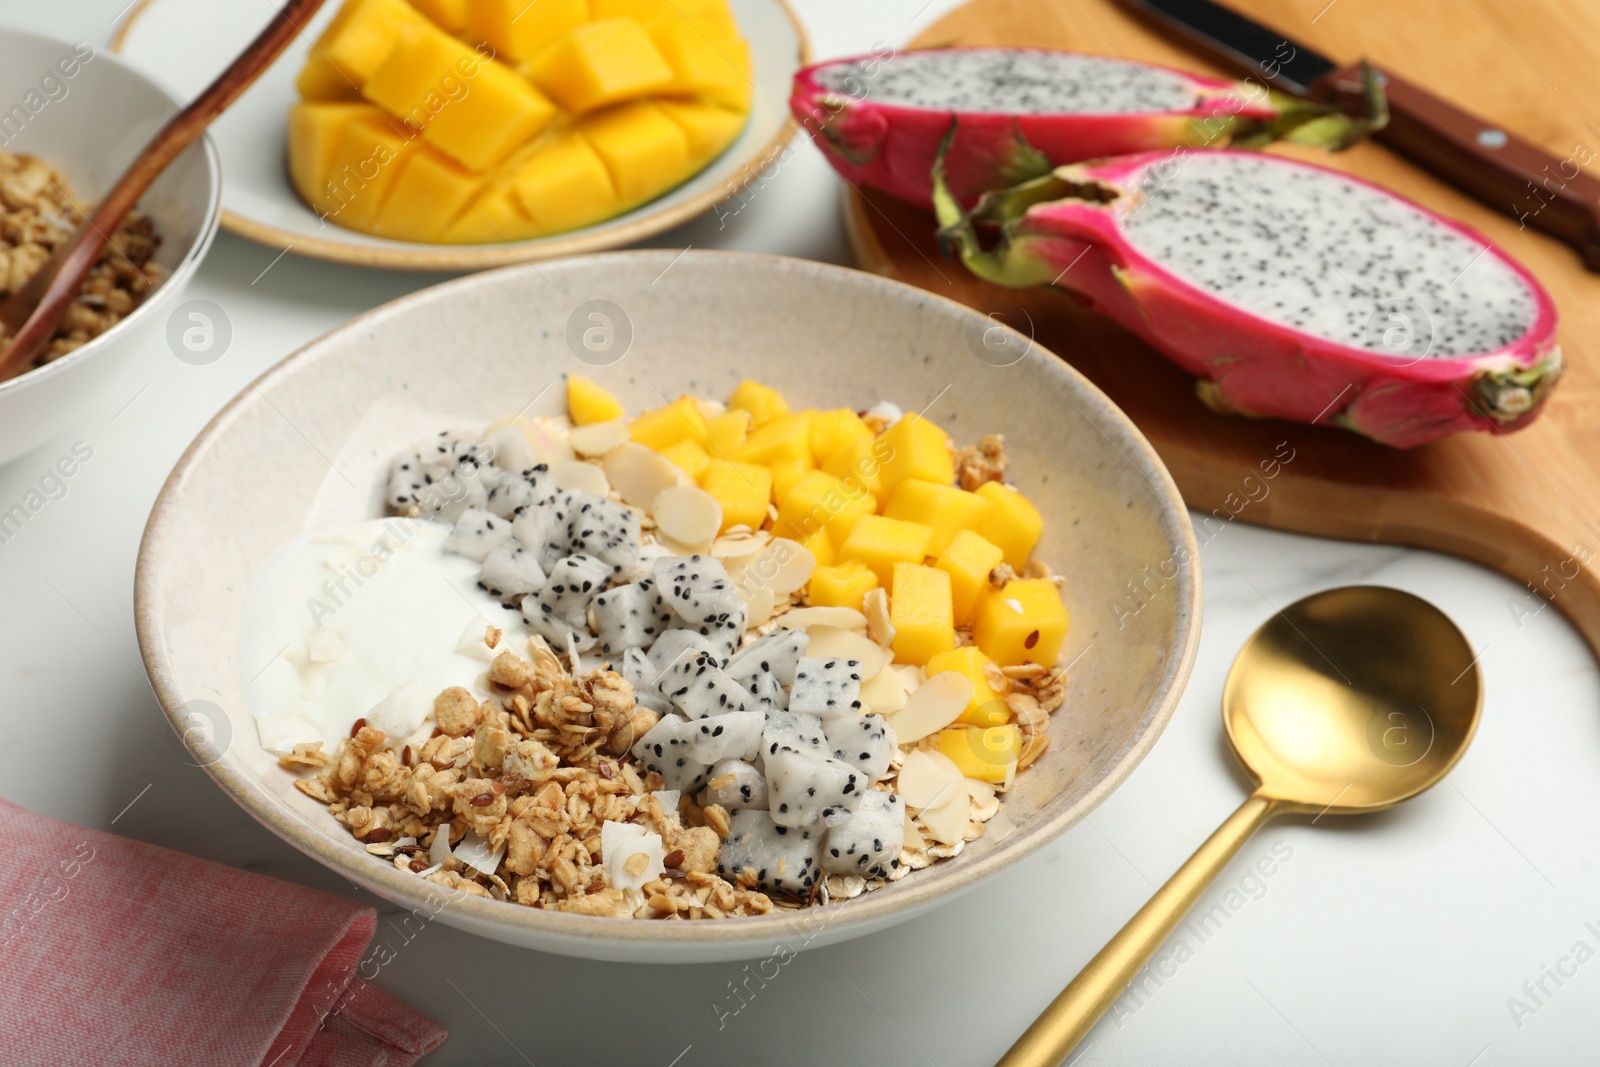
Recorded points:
(1514, 176)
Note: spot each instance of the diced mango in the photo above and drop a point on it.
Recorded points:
(819, 500)
(945, 508)
(366, 163)
(521, 29)
(315, 131)
(786, 474)
(420, 74)
(882, 543)
(844, 585)
(639, 145)
(483, 127)
(711, 17)
(564, 185)
(985, 753)
(860, 462)
(1023, 623)
(832, 430)
(762, 402)
(708, 127)
(1012, 522)
(688, 456)
(600, 63)
(716, 69)
(429, 195)
(919, 608)
(987, 707)
(448, 15)
(320, 79)
(361, 36)
(787, 437)
(725, 433)
(495, 215)
(821, 548)
(743, 490)
(669, 424)
(588, 403)
(918, 448)
(968, 560)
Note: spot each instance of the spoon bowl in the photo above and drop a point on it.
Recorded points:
(1352, 700)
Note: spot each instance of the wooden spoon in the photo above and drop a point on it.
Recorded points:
(29, 316)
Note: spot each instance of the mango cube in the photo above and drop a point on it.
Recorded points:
(500, 112)
(882, 543)
(366, 163)
(860, 462)
(424, 69)
(985, 753)
(787, 437)
(1012, 522)
(688, 456)
(945, 508)
(786, 474)
(832, 430)
(987, 707)
(725, 433)
(588, 403)
(429, 195)
(320, 79)
(1023, 623)
(968, 559)
(821, 548)
(315, 129)
(639, 145)
(669, 424)
(762, 402)
(521, 29)
(448, 15)
(743, 490)
(564, 185)
(708, 127)
(821, 501)
(600, 63)
(716, 69)
(364, 32)
(711, 17)
(495, 215)
(917, 448)
(844, 585)
(919, 608)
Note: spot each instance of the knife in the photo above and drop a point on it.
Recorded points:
(1513, 176)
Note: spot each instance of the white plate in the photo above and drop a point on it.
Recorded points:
(186, 43)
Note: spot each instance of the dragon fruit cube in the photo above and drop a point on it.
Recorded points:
(868, 843)
(735, 735)
(510, 572)
(476, 533)
(698, 687)
(866, 742)
(826, 687)
(697, 588)
(806, 790)
(665, 750)
(771, 856)
(735, 784)
(776, 654)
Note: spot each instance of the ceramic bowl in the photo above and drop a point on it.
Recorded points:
(90, 125)
(309, 443)
(186, 42)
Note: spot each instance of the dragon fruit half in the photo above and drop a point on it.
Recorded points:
(880, 118)
(1291, 290)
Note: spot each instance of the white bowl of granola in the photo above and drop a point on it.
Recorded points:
(511, 782)
(71, 118)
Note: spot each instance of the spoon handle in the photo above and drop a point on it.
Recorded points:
(1071, 1015)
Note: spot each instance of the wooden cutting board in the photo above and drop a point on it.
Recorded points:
(1526, 504)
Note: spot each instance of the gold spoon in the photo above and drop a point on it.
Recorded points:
(1348, 701)
(29, 315)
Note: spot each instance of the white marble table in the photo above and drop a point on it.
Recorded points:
(1426, 935)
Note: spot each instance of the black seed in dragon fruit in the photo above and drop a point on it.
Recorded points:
(826, 687)
(630, 616)
(697, 588)
(605, 530)
(776, 655)
(775, 857)
(734, 735)
(786, 729)
(640, 673)
(699, 688)
(510, 572)
(808, 790)
(725, 632)
(866, 742)
(735, 784)
(476, 533)
(868, 843)
(675, 642)
(665, 750)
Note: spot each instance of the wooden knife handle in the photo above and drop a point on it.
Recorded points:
(1541, 191)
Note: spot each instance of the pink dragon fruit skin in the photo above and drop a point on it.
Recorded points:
(891, 146)
(1068, 230)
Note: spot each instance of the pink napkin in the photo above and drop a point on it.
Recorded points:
(114, 951)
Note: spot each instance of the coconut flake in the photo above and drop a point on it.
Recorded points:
(577, 476)
(325, 645)
(406, 707)
(598, 438)
(805, 618)
(830, 642)
(688, 515)
(936, 704)
(639, 473)
(475, 852)
(474, 641)
(619, 842)
(439, 851)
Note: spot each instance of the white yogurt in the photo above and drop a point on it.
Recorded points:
(368, 620)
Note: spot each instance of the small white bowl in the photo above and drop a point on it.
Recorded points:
(90, 126)
(309, 444)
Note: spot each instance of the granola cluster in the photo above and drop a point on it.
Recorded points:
(533, 772)
(38, 213)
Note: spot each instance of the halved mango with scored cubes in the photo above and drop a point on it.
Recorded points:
(519, 120)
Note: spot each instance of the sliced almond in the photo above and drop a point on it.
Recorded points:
(947, 822)
(548, 437)
(581, 477)
(924, 783)
(830, 642)
(785, 565)
(876, 608)
(882, 693)
(739, 543)
(981, 792)
(946, 762)
(759, 603)
(937, 704)
(639, 473)
(804, 618)
(687, 514)
(598, 438)
(913, 838)
(911, 676)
